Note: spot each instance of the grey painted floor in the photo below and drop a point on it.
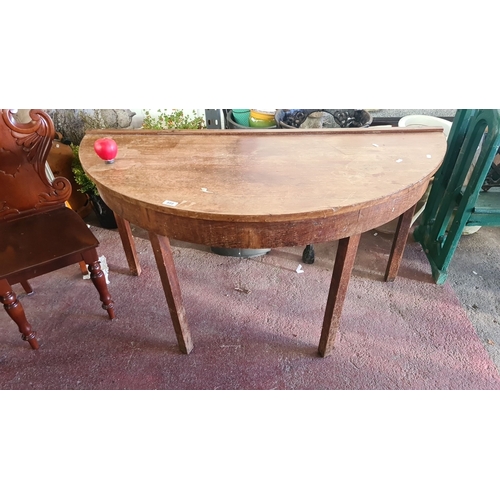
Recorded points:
(474, 272)
(474, 275)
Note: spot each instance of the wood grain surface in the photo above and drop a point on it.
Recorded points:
(255, 189)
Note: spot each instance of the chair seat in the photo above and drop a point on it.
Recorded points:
(46, 237)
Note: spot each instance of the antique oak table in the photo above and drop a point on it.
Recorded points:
(264, 189)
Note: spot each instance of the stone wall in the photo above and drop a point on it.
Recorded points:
(72, 123)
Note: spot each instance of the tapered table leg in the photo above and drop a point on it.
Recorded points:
(398, 244)
(168, 274)
(344, 261)
(83, 267)
(27, 287)
(128, 245)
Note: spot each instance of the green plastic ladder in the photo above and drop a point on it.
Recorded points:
(455, 202)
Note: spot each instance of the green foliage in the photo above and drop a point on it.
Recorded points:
(176, 119)
(86, 185)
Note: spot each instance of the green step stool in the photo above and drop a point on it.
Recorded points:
(455, 200)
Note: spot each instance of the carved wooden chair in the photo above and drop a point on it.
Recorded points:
(38, 232)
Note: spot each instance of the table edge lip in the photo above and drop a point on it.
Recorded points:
(258, 131)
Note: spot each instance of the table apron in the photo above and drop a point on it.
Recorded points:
(264, 234)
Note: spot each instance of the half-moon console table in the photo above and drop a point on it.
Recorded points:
(264, 189)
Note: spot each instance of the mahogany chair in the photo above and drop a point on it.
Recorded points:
(38, 232)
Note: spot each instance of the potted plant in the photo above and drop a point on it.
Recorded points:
(104, 214)
(94, 120)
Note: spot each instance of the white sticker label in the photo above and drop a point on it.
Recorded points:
(170, 203)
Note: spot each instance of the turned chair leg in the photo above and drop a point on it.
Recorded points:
(15, 310)
(99, 279)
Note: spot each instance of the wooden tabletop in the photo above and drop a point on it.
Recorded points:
(255, 189)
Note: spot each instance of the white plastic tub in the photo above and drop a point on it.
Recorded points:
(417, 121)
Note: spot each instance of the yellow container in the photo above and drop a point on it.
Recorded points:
(261, 119)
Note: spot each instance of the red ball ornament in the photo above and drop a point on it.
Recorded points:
(106, 149)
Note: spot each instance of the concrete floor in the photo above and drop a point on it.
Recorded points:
(410, 334)
(474, 275)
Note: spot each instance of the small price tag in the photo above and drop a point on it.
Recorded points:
(170, 203)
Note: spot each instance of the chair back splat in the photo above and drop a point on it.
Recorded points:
(23, 153)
